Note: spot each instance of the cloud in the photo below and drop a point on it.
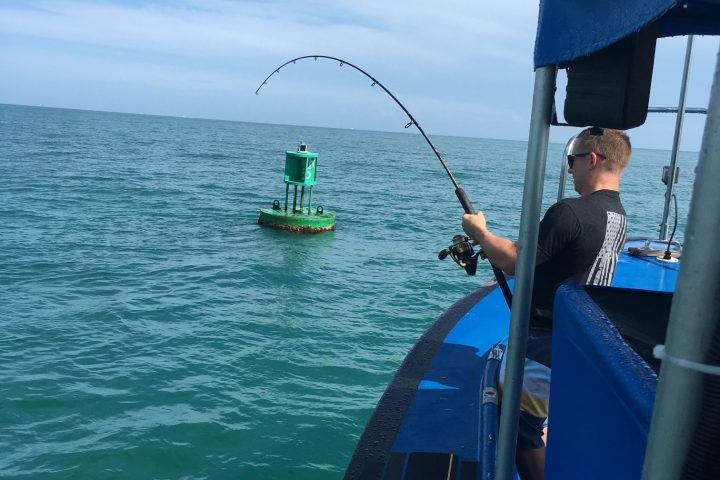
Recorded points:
(416, 31)
(417, 46)
(460, 65)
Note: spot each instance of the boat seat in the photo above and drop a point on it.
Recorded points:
(603, 381)
(640, 316)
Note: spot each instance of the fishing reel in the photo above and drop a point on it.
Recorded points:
(462, 253)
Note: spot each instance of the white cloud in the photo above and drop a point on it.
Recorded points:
(461, 66)
(415, 31)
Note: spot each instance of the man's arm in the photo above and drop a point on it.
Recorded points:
(500, 251)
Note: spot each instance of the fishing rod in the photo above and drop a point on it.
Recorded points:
(461, 250)
(462, 196)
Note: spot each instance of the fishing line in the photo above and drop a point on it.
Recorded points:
(459, 192)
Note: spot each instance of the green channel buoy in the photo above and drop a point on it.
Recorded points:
(300, 171)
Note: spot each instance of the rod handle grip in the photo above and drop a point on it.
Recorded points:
(464, 200)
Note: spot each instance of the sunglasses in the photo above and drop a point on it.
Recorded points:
(571, 157)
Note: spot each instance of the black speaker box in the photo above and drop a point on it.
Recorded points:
(611, 87)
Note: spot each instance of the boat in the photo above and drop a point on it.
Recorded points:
(635, 365)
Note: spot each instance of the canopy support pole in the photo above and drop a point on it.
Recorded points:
(672, 178)
(525, 268)
(694, 312)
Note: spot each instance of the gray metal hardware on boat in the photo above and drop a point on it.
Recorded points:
(673, 170)
(525, 270)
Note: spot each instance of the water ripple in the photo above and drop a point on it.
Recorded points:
(152, 330)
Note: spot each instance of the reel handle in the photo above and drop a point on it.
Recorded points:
(464, 200)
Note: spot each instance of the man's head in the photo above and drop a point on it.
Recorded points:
(612, 145)
(597, 157)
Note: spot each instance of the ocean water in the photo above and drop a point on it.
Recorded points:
(152, 330)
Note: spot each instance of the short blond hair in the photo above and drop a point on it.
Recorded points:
(614, 145)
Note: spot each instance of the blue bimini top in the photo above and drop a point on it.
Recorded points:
(569, 29)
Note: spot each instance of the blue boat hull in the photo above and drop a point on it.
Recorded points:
(428, 424)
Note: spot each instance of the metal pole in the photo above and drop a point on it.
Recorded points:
(563, 177)
(564, 169)
(525, 268)
(676, 140)
(287, 193)
(694, 312)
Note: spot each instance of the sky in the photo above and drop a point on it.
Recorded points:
(461, 67)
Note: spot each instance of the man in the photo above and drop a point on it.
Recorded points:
(579, 241)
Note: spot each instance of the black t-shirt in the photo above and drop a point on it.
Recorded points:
(580, 240)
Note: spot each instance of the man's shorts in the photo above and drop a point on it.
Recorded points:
(535, 398)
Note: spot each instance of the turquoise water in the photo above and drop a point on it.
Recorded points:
(150, 329)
